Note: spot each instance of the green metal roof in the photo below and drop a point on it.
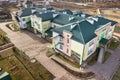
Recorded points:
(63, 19)
(84, 31)
(80, 32)
(5, 76)
(26, 12)
(104, 41)
(45, 16)
(101, 21)
(49, 31)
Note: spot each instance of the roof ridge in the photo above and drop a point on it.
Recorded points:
(81, 33)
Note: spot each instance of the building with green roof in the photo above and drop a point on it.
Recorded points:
(74, 33)
(80, 39)
(5, 76)
(44, 22)
(23, 17)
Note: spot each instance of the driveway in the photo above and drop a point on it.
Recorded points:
(36, 47)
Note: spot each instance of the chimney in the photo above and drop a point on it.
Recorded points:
(71, 18)
(98, 11)
(54, 15)
(83, 15)
(91, 21)
(64, 12)
(72, 26)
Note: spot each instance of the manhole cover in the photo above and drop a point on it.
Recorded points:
(33, 60)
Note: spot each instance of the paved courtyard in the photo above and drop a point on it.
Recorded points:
(36, 47)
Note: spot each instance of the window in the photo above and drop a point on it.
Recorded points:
(91, 43)
(90, 52)
(37, 24)
(61, 39)
(111, 28)
(67, 40)
(61, 46)
(67, 51)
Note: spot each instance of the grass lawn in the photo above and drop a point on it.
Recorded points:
(113, 44)
(13, 27)
(2, 32)
(1, 42)
(81, 75)
(93, 60)
(106, 56)
(20, 68)
(3, 38)
(36, 69)
(16, 28)
(117, 28)
(13, 66)
(117, 75)
(74, 64)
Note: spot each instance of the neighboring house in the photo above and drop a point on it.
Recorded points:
(80, 40)
(5, 76)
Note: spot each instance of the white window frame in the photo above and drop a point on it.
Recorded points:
(90, 52)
